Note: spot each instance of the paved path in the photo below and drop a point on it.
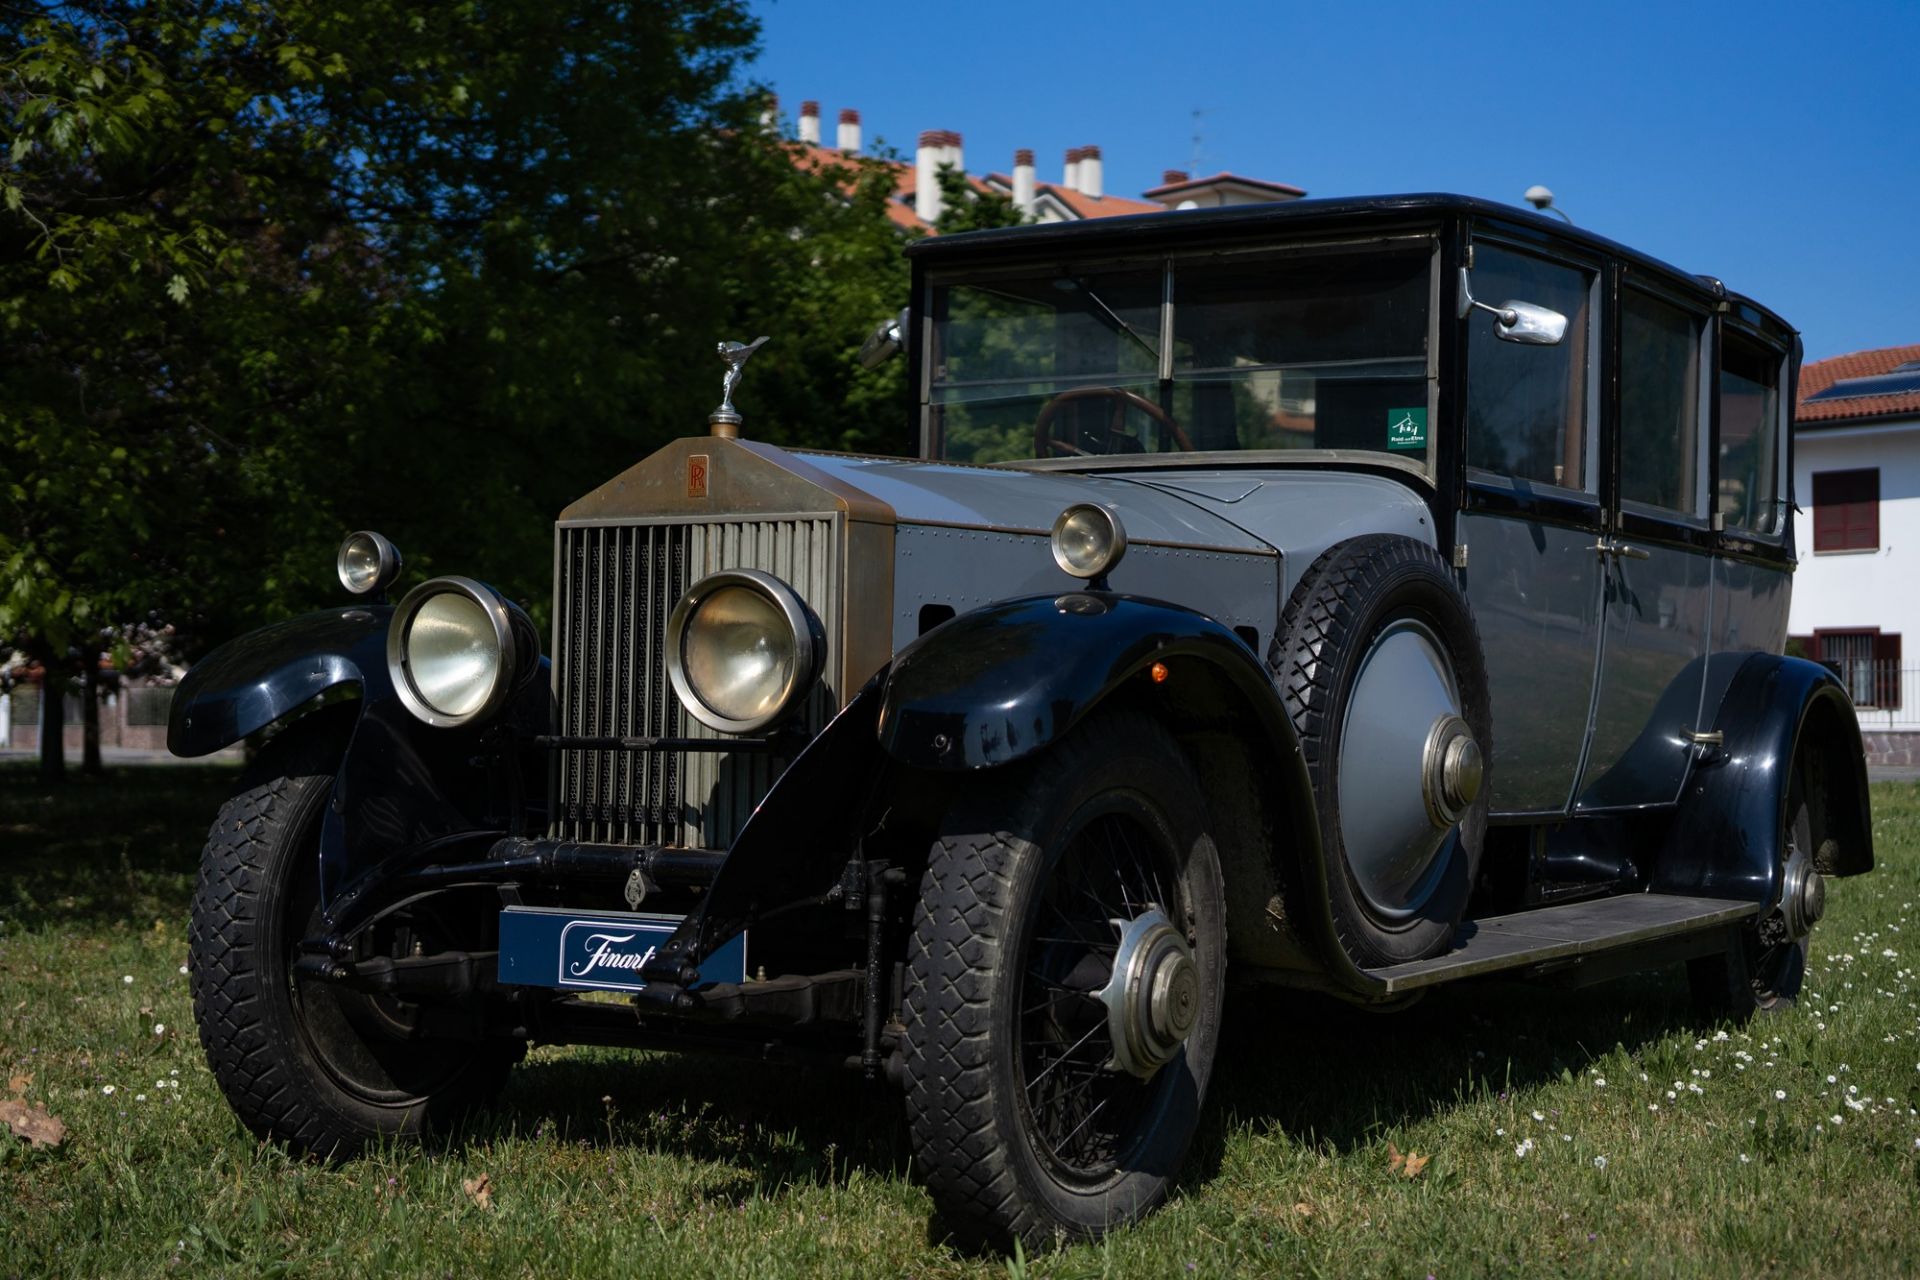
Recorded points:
(125, 755)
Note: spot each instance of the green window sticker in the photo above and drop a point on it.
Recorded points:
(1407, 429)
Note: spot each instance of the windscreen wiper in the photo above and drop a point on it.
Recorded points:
(1114, 317)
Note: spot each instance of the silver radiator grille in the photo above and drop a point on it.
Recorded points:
(616, 586)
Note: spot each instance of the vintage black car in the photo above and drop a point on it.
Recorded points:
(1352, 595)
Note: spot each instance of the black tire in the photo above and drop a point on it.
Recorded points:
(305, 1063)
(992, 998)
(1347, 596)
(1760, 975)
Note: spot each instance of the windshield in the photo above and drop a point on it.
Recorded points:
(1313, 348)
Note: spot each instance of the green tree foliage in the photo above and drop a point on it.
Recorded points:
(964, 207)
(272, 271)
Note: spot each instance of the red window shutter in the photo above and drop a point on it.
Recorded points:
(1886, 671)
(1846, 510)
(1829, 515)
(1863, 512)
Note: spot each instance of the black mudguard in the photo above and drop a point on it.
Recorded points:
(980, 691)
(996, 685)
(794, 846)
(1725, 838)
(401, 784)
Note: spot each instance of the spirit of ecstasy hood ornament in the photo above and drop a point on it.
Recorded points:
(725, 421)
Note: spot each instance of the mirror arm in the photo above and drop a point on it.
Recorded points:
(1506, 315)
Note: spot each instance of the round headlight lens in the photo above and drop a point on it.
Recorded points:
(452, 654)
(739, 653)
(450, 651)
(740, 650)
(1088, 540)
(366, 562)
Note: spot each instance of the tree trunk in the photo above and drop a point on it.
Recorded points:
(90, 719)
(53, 729)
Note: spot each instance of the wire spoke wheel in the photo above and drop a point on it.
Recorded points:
(1085, 1110)
(1764, 969)
(306, 1062)
(1063, 1000)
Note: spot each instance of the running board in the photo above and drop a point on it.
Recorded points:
(1546, 934)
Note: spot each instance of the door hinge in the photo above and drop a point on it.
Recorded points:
(1459, 555)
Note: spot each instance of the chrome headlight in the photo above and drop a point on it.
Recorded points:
(1088, 540)
(742, 650)
(367, 563)
(452, 651)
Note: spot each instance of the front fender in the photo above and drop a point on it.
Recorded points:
(1002, 683)
(250, 682)
(998, 684)
(1725, 839)
(399, 784)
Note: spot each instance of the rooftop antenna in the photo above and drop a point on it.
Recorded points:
(1542, 199)
(1193, 164)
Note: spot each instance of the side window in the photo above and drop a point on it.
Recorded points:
(1321, 350)
(1529, 408)
(1750, 435)
(1661, 461)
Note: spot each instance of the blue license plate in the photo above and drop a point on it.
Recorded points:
(555, 947)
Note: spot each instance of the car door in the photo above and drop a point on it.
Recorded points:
(1655, 561)
(1531, 515)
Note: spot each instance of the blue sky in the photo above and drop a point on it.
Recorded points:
(1776, 146)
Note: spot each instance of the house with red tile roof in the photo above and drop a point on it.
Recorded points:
(1856, 434)
(1079, 194)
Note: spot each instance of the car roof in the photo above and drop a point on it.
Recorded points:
(1186, 227)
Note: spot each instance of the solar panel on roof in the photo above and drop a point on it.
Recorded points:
(1897, 382)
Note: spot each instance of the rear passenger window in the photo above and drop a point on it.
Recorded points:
(1529, 408)
(1661, 459)
(1750, 437)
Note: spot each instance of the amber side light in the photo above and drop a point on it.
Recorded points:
(1159, 672)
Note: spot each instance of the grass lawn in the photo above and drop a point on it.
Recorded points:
(1603, 1131)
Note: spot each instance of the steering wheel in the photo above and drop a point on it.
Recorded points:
(1045, 443)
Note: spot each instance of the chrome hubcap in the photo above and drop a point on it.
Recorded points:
(1451, 771)
(1409, 769)
(1803, 894)
(1153, 997)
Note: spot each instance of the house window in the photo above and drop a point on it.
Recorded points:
(1867, 662)
(1846, 510)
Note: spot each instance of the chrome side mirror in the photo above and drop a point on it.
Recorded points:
(1536, 326)
(885, 342)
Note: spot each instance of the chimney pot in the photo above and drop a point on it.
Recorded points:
(810, 122)
(1023, 181)
(1089, 172)
(849, 132)
(927, 159)
(1170, 176)
(849, 115)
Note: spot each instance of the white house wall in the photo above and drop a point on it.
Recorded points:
(1848, 589)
